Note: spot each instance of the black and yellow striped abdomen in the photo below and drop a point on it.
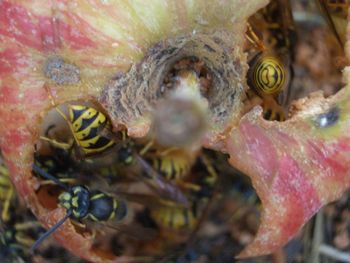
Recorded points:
(174, 217)
(87, 124)
(173, 166)
(5, 183)
(266, 75)
(6, 193)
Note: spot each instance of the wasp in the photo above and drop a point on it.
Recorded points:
(176, 165)
(84, 204)
(86, 124)
(129, 154)
(81, 204)
(173, 164)
(268, 77)
(336, 13)
(270, 68)
(90, 128)
(188, 217)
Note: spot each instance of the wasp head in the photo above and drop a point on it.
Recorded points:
(77, 200)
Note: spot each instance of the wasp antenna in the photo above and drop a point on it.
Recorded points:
(48, 176)
(49, 232)
(254, 39)
(26, 225)
(53, 103)
(61, 113)
(6, 205)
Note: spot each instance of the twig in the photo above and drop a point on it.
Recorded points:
(318, 238)
(334, 253)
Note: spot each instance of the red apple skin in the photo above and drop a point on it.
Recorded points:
(27, 39)
(296, 166)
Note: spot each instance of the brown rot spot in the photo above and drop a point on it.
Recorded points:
(61, 72)
(329, 118)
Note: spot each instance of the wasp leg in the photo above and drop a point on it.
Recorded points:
(4, 172)
(167, 151)
(63, 180)
(23, 240)
(3, 196)
(5, 215)
(93, 233)
(5, 183)
(189, 186)
(27, 225)
(213, 176)
(272, 111)
(60, 145)
(79, 224)
(146, 147)
(253, 38)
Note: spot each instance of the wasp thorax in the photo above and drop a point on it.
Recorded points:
(103, 207)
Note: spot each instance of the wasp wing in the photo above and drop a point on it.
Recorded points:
(147, 200)
(162, 187)
(134, 231)
(332, 21)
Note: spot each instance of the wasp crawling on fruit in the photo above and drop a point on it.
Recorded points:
(270, 70)
(86, 125)
(81, 204)
(200, 191)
